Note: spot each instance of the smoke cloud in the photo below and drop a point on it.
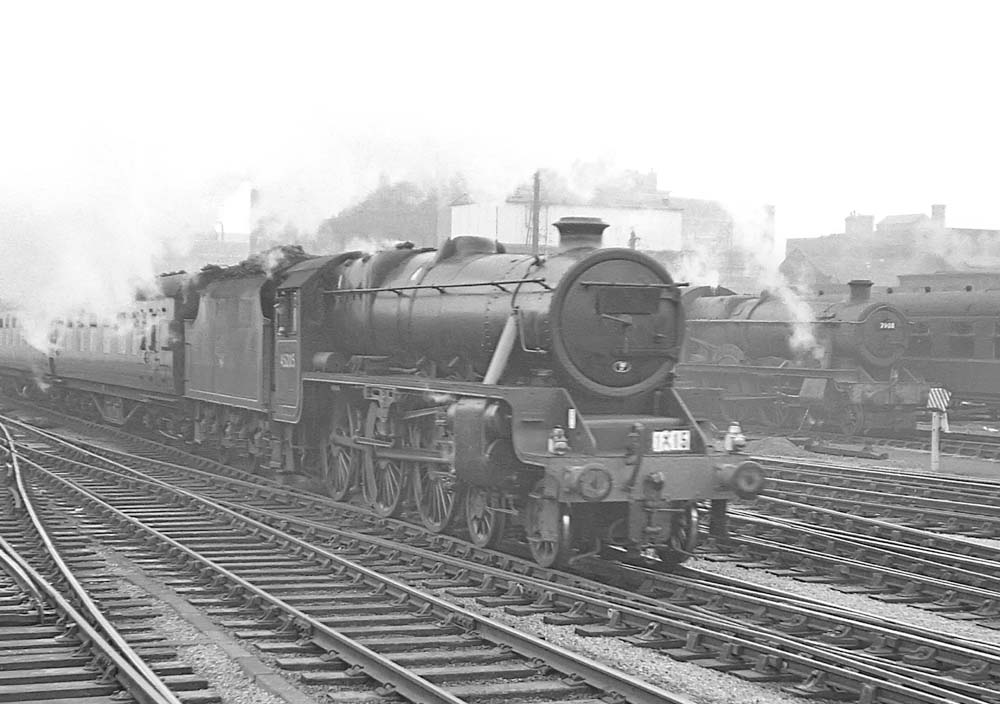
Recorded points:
(127, 127)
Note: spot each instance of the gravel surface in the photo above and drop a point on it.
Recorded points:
(205, 651)
(896, 613)
(698, 683)
(898, 459)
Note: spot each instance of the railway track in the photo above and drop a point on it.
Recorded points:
(954, 506)
(915, 482)
(368, 635)
(939, 581)
(692, 630)
(87, 643)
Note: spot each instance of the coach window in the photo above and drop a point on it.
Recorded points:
(961, 339)
(153, 325)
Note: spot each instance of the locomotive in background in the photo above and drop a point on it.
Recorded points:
(955, 339)
(511, 388)
(835, 363)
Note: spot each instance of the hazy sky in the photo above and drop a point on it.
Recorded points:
(124, 125)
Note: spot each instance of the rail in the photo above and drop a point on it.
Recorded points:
(130, 670)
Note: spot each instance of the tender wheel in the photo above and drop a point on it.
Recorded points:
(224, 454)
(683, 537)
(485, 517)
(339, 462)
(775, 414)
(547, 527)
(738, 411)
(249, 463)
(850, 420)
(384, 479)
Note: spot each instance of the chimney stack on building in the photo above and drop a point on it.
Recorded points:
(861, 290)
(937, 214)
(860, 225)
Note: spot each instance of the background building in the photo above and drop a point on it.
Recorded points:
(697, 239)
(510, 223)
(896, 246)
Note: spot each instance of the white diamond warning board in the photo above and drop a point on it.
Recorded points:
(938, 399)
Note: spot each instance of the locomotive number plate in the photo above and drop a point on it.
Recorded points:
(671, 440)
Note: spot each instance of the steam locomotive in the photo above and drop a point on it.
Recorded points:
(955, 340)
(782, 362)
(513, 389)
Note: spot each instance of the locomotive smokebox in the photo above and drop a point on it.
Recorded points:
(861, 290)
(580, 232)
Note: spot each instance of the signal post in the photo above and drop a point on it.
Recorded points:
(937, 401)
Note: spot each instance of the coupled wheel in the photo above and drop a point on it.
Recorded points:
(436, 493)
(436, 490)
(384, 480)
(339, 461)
(547, 526)
(387, 481)
(683, 537)
(485, 517)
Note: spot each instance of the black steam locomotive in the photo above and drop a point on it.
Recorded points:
(955, 342)
(513, 389)
(786, 361)
(955, 334)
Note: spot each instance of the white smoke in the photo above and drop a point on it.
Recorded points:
(698, 268)
(368, 245)
(755, 242)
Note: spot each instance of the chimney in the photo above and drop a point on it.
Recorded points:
(861, 290)
(937, 214)
(580, 232)
(859, 225)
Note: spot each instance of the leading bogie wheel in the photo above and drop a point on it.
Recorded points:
(485, 517)
(683, 537)
(547, 527)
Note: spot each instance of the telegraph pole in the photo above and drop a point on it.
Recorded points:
(535, 208)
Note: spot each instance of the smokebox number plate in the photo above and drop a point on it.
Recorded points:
(671, 440)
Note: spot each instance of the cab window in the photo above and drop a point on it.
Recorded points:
(961, 339)
(286, 314)
(920, 340)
